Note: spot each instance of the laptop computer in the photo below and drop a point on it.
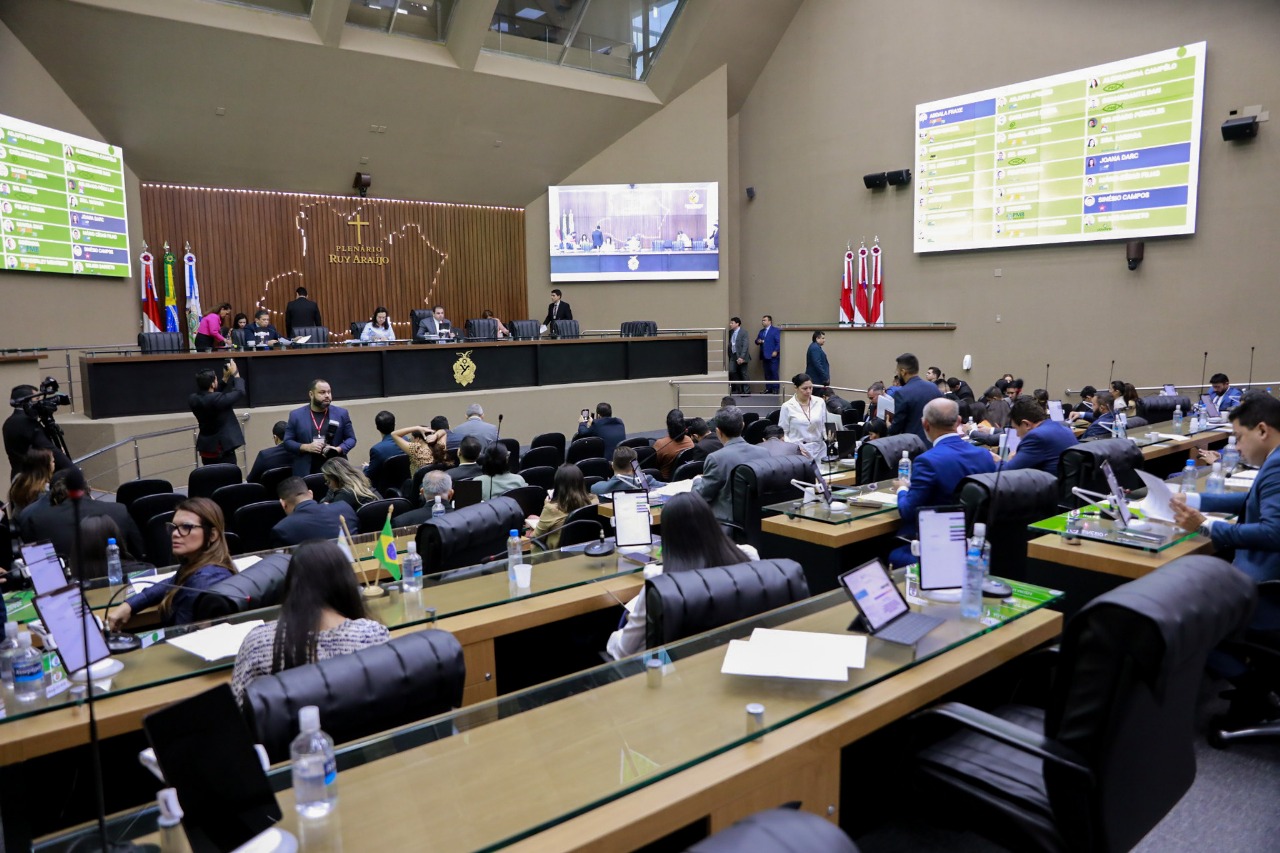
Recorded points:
(884, 611)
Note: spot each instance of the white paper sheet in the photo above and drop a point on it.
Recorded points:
(242, 563)
(881, 498)
(143, 583)
(849, 649)
(1170, 436)
(1239, 482)
(1155, 505)
(671, 489)
(216, 643)
(743, 658)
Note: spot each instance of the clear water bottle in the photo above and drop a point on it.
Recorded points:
(1230, 457)
(8, 651)
(1189, 477)
(1203, 423)
(515, 555)
(315, 770)
(28, 671)
(1122, 425)
(438, 508)
(904, 467)
(411, 569)
(975, 572)
(115, 571)
(1177, 419)
(1217, 482)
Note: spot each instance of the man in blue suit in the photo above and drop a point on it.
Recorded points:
(604, 425)
(306, 519)
(1104, 418)
(1041, 441)
(1224, 396)
(910, 399)
(307, 435)
(770, 342)
(937, 472)
(816, 363)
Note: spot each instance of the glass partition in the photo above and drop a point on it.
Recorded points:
(422, 19)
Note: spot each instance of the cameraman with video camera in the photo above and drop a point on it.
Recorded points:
(31, 424)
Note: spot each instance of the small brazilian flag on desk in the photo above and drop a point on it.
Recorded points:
(387, 557)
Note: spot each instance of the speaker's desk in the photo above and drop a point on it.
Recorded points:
(614, 758)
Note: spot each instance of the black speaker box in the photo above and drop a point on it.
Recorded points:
(876, 180)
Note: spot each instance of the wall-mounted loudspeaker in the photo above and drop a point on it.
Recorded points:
(876, 180)
(898, 177)
(751, 193)
(362, 182)
(1134, 250)
(1240, 127)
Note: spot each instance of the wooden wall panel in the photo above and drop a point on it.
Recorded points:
(254, 248)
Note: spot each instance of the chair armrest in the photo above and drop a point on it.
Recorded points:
(1012, 735)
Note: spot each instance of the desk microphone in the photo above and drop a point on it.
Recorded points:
(1112, 374)
(592, 550)
(498, 434)
(119, 642)
(1249, 384)
(1203, 369)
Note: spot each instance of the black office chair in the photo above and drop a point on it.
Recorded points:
(391, 475)
(780, 830)
(858, 408)
(513, 453)
(690, 454)
(273, 477)
(878, 459)
(416, 316)
(154, 343)
(207, 479)
(357, 329)
(645, 455)
(688, 470)
(774, 416)
(142, 509)
(316, 483)
(596, 468)
(231, 498)
(239, 338)
(319, 335)
(157, 540)
(1025, 496)
(481, 329)
(638, 329)
(1158, 409)
(253, 524)
(260, 585)
(539, 456)
(581, 533)
(1252, 714)
(530, 498)
(761, 482)
(652, 473)
(748, 418)
(467, 536)
(550, 439)
(1081, 466)
(410, 678)
(372, 517)
(1112, 751)
(754, 433)
(566, 329)
(638, 441)
(127, 493)
(524, 330)
(588, 447)
(681, 604)
(540, 475)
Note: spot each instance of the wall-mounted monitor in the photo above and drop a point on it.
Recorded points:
(635, 232)
(62, 202)
(1108, 152)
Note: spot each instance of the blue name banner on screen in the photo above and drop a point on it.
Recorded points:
(635, 232)
(1108, 152)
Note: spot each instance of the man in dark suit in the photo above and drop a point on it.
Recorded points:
(604, 425)
(936, 472)
(261, 332)
(769, 340)
(275, 456)
(214, 404)
(739, 356)
(435, 326)
(775, 441)
(385, 422)
(910, 399)
(557, 310)
(301, 312)
(1041, 441)
(433, 484)
(52, 517)
(713, 483)
(306, 519)
(318, 431)
(961, 389)
(704, 439)
(468, 452)
(22, 432)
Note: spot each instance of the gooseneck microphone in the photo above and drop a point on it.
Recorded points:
(1203, 369)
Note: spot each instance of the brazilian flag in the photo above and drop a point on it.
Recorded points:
(387, 557)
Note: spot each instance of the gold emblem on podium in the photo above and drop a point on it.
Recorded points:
(464, 369)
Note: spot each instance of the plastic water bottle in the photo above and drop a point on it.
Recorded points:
(115, 571)
(315, 770)
(975, 572)
(1217, 482)
(1177, 419)
(1203, 423)
(904, 467)
(411, 569)
(438, 508)
(1189, 477)
(8, 651)
(515, 555)
(1122, 425)
(28, 670)
(1230, 457)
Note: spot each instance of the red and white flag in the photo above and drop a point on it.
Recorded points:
(846, 290)
(861, 308)
(151, 321)
(875, 295)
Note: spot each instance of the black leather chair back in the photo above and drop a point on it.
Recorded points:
(760, 482)
(1158, 409)
(513, 453)
(357, 329)
(318, 485)
(582, 532)
(688, 470)
(781, 830)
(550, 439)
(468, 535)
(231, 498)
(530, 498)
(152, 343)
(380, 687)
(639, 328)
(681, 604)
(129, 492)
(1132, 661)
(207, 479)
(754, 433)
(567, 329)
(144, 508)
(391, 474)
(524, 330)
(157, 541)
(645, 455)
(595, 467)
(372, 517)
(636, 443)
(239, 338)
(1024, 496)
(416, 316)
(260, 585)
(253, 524)
(535, 457)
(540, 475)
(878, 459)
(319, 334)
(273, 477)
(482, 329)
(587, 447)
(1081, 466)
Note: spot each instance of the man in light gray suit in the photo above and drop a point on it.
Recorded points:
(713, 484)
(476, 425)
(739, 356)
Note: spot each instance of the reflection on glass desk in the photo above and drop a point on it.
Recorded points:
(1094, 527)
(859, 501)
(550, 753)
(444, 594)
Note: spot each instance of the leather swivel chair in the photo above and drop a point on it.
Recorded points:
(878, 459)
(567, 329)
(466, 536)
(260, 585)
(1081, 466)
(525, 330)
(153, 343)
(207, 479)
(760, 482)
(681, 604)
(1158, 408)
(481, 329)
(319, 335)
(1024, 496)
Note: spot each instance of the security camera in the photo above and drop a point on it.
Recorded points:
(1134, 250)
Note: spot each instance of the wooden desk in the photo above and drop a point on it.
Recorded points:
(1128, 563)
(832, 535)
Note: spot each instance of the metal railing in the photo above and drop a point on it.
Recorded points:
(1197, 388)
(134, 441)
(705, 394)
(72, 376)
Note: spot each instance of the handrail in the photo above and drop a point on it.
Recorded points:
(138, 456)
(1192, 385)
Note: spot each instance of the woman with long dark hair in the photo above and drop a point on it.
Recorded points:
(676, 442)
(570, 494)
(209, 332)
(691, 539)
(30, 481)
(198, 536)
(322, 616)
(379, 327)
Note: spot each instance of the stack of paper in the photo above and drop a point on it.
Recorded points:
(242, 563)
(220, 641)
(1157, 504)
(881, 498)
(796, 654)
(679, 487)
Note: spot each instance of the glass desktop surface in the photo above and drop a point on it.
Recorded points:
(1091, 526)
(819, 510)
(552, 752)
(444, 594)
